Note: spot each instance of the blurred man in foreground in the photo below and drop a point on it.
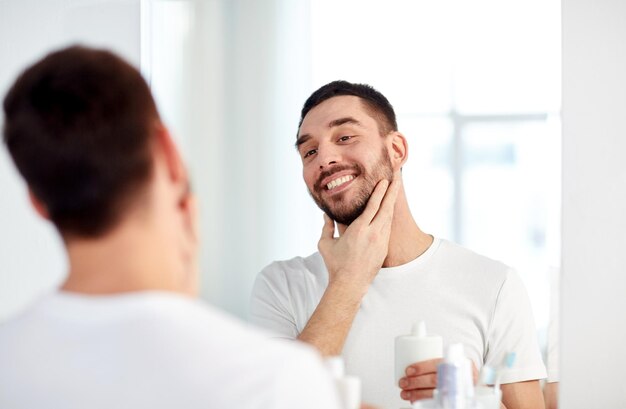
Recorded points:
(124, 329)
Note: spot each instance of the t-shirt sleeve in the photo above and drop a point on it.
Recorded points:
(513, 330)
(270, 305)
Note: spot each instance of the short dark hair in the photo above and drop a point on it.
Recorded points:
(79, 125)
(375, 102)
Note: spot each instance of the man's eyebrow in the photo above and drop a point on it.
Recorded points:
(332, 124)
(343, 121)
(302, 139)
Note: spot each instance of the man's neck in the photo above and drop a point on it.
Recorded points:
(130, 258)
(407, 241)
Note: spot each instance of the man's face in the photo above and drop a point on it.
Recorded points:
(343, 156)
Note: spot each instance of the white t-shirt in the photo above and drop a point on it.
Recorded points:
(462, 296)
(151, 350)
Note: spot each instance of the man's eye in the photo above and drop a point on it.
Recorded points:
(344, 138)
(310, 152)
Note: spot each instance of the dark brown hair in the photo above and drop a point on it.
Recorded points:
(78, 125)
(375, 102)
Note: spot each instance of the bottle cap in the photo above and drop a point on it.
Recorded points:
(455, 353)
(335, 366)
(419, 329)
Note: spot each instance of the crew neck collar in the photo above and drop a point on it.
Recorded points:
(413, 264)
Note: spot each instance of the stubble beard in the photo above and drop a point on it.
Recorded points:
(346, 213)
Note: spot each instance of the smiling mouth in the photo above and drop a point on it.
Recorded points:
(338, 182)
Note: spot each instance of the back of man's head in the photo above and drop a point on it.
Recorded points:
(79, 126)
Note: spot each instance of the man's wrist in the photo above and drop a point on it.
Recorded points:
(348, 289)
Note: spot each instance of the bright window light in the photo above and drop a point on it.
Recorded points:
(476, 86)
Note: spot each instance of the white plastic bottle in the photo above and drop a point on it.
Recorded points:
(415, 347)
(348, 387)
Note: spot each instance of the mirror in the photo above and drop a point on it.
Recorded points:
(475, 85)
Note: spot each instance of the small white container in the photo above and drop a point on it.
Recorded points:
(348, 387)
(416, 347)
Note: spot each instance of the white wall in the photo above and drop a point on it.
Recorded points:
(593, 282)
(232, 94)
(31, 255)
(255, 207)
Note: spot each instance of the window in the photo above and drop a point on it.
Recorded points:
(476, 89)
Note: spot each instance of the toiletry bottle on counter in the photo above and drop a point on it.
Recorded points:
(348, 387)
(455, 386)
(415, 347)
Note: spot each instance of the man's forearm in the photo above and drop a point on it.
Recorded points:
(353, 259)
(330, 324)
(523, 395)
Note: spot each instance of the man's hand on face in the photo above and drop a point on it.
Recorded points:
(421, 380)
(355, 258)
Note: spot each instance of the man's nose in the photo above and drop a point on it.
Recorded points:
(328, 156)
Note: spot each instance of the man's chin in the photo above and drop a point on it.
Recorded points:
(341, 214)
(345, 218)
(346, 221)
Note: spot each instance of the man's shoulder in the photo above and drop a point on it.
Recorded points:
(185, 338)
(224, 334)
(471, 261)
(206, 324)
(140, 313)
(296, 267)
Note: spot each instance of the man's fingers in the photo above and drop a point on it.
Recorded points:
(417, 394)
(373, 203)
(328, 231)
(425, 381)
(385, 212)
(423, 367)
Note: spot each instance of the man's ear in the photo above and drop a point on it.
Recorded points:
(187, 206)
(166, 147)
(398, 149)
(39, 207)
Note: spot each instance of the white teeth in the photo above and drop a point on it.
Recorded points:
(339, 181)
